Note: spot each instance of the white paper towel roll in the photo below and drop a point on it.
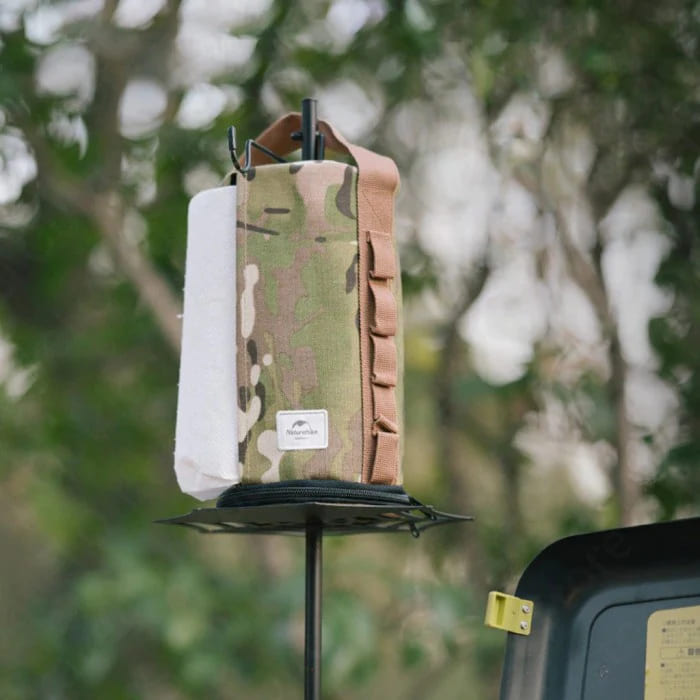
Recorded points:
(206, 439)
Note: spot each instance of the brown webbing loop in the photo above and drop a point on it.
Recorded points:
(383, 258)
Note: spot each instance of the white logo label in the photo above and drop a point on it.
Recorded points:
(302, 430)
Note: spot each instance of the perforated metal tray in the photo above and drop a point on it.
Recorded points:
(336, 507)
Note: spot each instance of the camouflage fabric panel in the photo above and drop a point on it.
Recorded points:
(298, 339)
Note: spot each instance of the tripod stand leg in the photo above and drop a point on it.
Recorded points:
(312, 650)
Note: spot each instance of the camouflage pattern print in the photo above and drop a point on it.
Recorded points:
(298, 338)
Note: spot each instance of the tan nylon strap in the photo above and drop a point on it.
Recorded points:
(383, 258)
(383, 361)
(384, 316)
(386, 459)
(383, 425)
(385, 406)
(378, 180)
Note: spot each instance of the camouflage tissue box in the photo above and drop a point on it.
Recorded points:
(300, 294)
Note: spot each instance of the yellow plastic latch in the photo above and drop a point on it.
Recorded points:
(506, 612)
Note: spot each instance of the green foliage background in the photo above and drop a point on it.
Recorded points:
(95, 601)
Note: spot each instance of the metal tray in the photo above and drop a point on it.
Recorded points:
(332, 518)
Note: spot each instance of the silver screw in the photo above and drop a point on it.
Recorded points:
(525, 609)
(523, 625)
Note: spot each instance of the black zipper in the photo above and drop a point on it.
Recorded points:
(304, 491)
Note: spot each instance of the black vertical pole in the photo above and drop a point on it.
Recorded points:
(308, 129)
(314, 531)
(312, 650)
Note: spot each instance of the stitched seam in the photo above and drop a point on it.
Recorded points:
(244, 349)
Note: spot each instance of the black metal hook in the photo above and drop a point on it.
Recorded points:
(313, 142)
(249, 145)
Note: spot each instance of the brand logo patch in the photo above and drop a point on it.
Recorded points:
(302, 430)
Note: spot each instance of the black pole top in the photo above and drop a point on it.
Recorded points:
(308, 129)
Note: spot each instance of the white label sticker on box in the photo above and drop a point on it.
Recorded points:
(302, 430)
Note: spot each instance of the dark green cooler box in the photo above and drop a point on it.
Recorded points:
(615, 616)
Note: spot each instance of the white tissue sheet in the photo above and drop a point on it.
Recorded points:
(206, 438)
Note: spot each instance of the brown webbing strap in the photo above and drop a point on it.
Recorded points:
(378, 180)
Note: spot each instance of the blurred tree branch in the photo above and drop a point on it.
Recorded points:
(450, 368)
(100, 197)
(588, 275)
